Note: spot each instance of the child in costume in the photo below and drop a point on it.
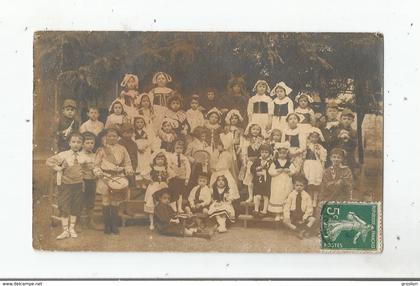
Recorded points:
(166, 136)
(281, 106)
(281, 171)
(146, 110)
(298, 209)
(250, 149)
(67, 124)
(129, 96)
(167, 221)
(159, 96)
(199, 198)
(194, 115)
(221, 208)
(180, 166)
(314, 163)
(261, 180)
(117, 115)
(220, 163)
(70, 195)
(337, 183)
(307, 115)
(258, 106)
(159, 175)
(178, 115)
(92, 125)
(275, 137)
(144, 141)
(296, 137)
(112, 164)
(213, 128)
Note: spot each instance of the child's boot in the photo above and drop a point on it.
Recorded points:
(72, 231)
(114, 220)
(65, 234)
(107, 221)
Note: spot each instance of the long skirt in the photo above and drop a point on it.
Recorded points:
(281, 186)
(222, 208)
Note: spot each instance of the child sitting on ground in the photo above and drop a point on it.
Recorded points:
(200, 196)
(168, 223)
(70, 194)
(222, 208)
(298, 208)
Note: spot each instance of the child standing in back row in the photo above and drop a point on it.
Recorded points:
(281, 106)
(195, 117)
(258, 106)
(92, 125)
(67, 124)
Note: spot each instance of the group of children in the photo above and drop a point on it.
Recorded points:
(198, 161)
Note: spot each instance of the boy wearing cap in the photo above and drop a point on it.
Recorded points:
(199, 199)
(67, 124)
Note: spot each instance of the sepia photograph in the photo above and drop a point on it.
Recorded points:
(245, 142)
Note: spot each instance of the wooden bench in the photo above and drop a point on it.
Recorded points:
(245, 218)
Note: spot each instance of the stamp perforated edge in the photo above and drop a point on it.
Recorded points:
(379, 232)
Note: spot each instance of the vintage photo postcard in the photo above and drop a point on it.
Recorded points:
(208, 142)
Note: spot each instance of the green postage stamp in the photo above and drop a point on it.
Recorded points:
(351, 227)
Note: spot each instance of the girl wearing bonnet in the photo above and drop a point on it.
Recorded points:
(258, 105)
(129, 95)
(281, 106)
(160, 94)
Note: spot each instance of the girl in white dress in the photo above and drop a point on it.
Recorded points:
(117, 115)
(281, 171)
(296, 138)
(145, 109)
(305, 112)
(281, 106)
(221, 163)
(258, 106)
(159, 96)
(313, 166)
